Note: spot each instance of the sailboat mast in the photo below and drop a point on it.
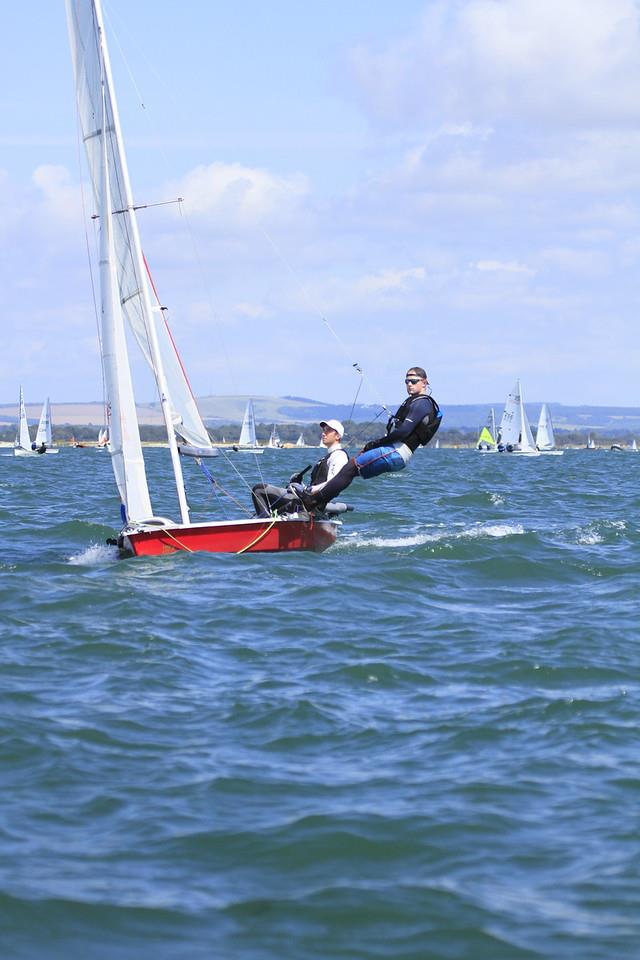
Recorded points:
(136, 249)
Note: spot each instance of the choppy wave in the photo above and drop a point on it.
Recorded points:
(419, 744)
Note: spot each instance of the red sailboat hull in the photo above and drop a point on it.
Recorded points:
(235, 536)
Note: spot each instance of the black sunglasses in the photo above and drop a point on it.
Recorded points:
(413, 380)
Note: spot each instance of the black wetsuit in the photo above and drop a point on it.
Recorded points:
(413, 424)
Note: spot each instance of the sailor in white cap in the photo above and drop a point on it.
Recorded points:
(268, 498)
(334, 460)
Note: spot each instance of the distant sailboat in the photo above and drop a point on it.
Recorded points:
(591, 444)
(634, 446)
(23, 446)
(274, 439)
(514, 435)
(300, 441)
(102, 442)
(486, 441)
(545, 437)
(247, 442)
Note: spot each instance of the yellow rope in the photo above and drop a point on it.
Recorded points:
(260, 537)
(182, 546)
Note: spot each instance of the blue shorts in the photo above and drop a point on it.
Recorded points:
(379, 460)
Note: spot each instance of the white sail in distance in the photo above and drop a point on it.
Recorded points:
(23, 438)
(526, 437)
(44, 426)
(248, 429)
(514, 427)
(140, 306)
(545, 438)
(509, 431)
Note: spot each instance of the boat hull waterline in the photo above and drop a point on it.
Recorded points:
(270, 535)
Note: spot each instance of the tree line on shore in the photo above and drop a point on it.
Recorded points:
(356, 434)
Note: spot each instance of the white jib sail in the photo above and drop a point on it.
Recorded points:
(139, 303)
(526, 436)
(44, 426)
(545, 439)
(23, 438)
(248, 430)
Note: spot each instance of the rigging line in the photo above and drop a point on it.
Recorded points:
(214, 488)
(260, 537)
(312, 306)
(316, 309)
(218, 486)
(233, 467)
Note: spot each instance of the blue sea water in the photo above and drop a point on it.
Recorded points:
(420, 744)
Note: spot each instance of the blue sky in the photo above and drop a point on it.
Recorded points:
(451, 183)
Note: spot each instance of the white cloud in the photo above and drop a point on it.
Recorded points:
(575, 62)
(497, 266)
(240, 196)
(62, 198)
(389, 281)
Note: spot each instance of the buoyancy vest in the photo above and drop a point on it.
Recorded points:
(320, 472)
(425, 429)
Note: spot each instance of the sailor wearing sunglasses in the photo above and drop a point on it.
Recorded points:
(413, 425)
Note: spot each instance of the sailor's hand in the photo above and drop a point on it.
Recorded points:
(369, 446)
(295, 488)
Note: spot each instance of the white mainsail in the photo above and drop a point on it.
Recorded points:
(515, 432)
(23, 438)
(509, 431)
(126, 449)
(300, 441)
(248, 429)
(44, 426)
(138, 300)
(545, 439)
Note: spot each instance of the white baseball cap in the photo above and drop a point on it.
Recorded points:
(334, 425)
